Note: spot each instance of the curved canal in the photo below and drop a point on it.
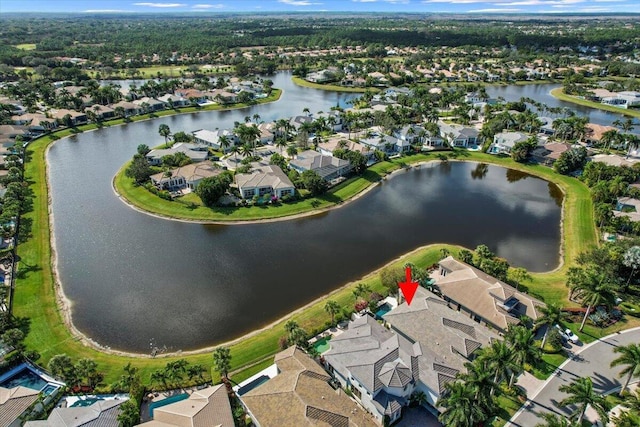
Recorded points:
(135, 279)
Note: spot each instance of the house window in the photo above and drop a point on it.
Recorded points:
(356, 392)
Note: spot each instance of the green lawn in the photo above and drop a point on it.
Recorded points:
(559, 93)
(26, 46)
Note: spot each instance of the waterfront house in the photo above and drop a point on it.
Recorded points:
(378, 366)
(75, 117)
(594, 132)
(208, 407)
(195, 152)
(185, 177)
(504, 142)
(36, 122)
(148, 105)
(211, 138)
(173, 101)
(549, 153)
(14, 403)
(300, 395)
(102, 112)
(459, 135)
(129, 108)
(484, 298)
(264, 179)
(100, 413)
(448, 339)
(328, 167)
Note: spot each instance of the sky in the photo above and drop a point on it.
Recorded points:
(217, 6)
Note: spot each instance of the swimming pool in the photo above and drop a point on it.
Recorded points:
(88, 401)
(382, 310)
(164, 402)
(25, 378)
(253, 384)
(322, 345)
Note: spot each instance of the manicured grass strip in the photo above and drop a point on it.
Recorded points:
(26, 46)
(559, 93)
(337, 88)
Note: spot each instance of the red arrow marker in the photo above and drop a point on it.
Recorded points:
(408, 287)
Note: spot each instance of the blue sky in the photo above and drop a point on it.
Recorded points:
(434, 6)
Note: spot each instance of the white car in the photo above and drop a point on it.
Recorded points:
(571, 336)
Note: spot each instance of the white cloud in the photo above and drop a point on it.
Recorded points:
(160, 4)
(495, 10)
(207, 6)
(592, 9)
(364, 1)
(297, 2)
(609, 1)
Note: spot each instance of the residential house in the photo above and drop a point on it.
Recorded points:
(267, 133)
(547, 126)
(594, 132)
(459, 135)
(101, 413)
(297, 121)
(211, 138)
(409, 133)
(378, 366)
(193, 95)
(208, 407)
(102, 112)
(548, 154)
(75, 117)
(448, 340)
(333, 119)
(300, 396)
(15, 402)
(222, 96)
(129, 108)
(13, 131)
(174, 101)
(264, 179)
(629, 207)
(432, 140)
(36, 122)
(504, 142)
(327, 148)
(328, 167)
(612, 160)
(185, 177)
(484, 298)
(148, 105)
(475, 98)
(195, 152)
(322, 76)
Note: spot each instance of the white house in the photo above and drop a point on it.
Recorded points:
(195, 152)
(459, 135)
(211, 138)
(504, 142)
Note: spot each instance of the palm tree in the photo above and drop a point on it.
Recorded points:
(460, 406)
(552, 314)
(630, 358)
(332, 308)
(159, 377)
(481, 380)
(594, 294)
(222, 361)
(361, 290)
(581, 394)
(225, 142)
(246, 150)
(498, 359)
(164, 131)
(553, 420)
(520, 340)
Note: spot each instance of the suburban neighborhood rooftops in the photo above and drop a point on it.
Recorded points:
(484, 295)
(14, 401)
(102, 413)
(208, 407)
(264, 176)
(300, 396)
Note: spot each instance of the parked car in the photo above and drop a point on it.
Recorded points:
(562, 333)
(571, 336)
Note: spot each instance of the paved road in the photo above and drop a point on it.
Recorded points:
(589, 361)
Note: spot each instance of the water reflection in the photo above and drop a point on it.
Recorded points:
(481, 171)
(516, 175)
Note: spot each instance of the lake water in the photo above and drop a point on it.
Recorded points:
(135, 279)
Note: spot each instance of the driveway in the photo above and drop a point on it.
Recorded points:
(417, 417)
(593, 361)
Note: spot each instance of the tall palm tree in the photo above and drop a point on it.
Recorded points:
(480, 379)
(164, 131)
(361, 290)
(498, 359)
(332, 308)
(553, 420)
(581, 394)
(225, 143)
(222, 360)
(594, 294)
(552, 314)
(520, 340)
(630, 359)
(460, 406)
